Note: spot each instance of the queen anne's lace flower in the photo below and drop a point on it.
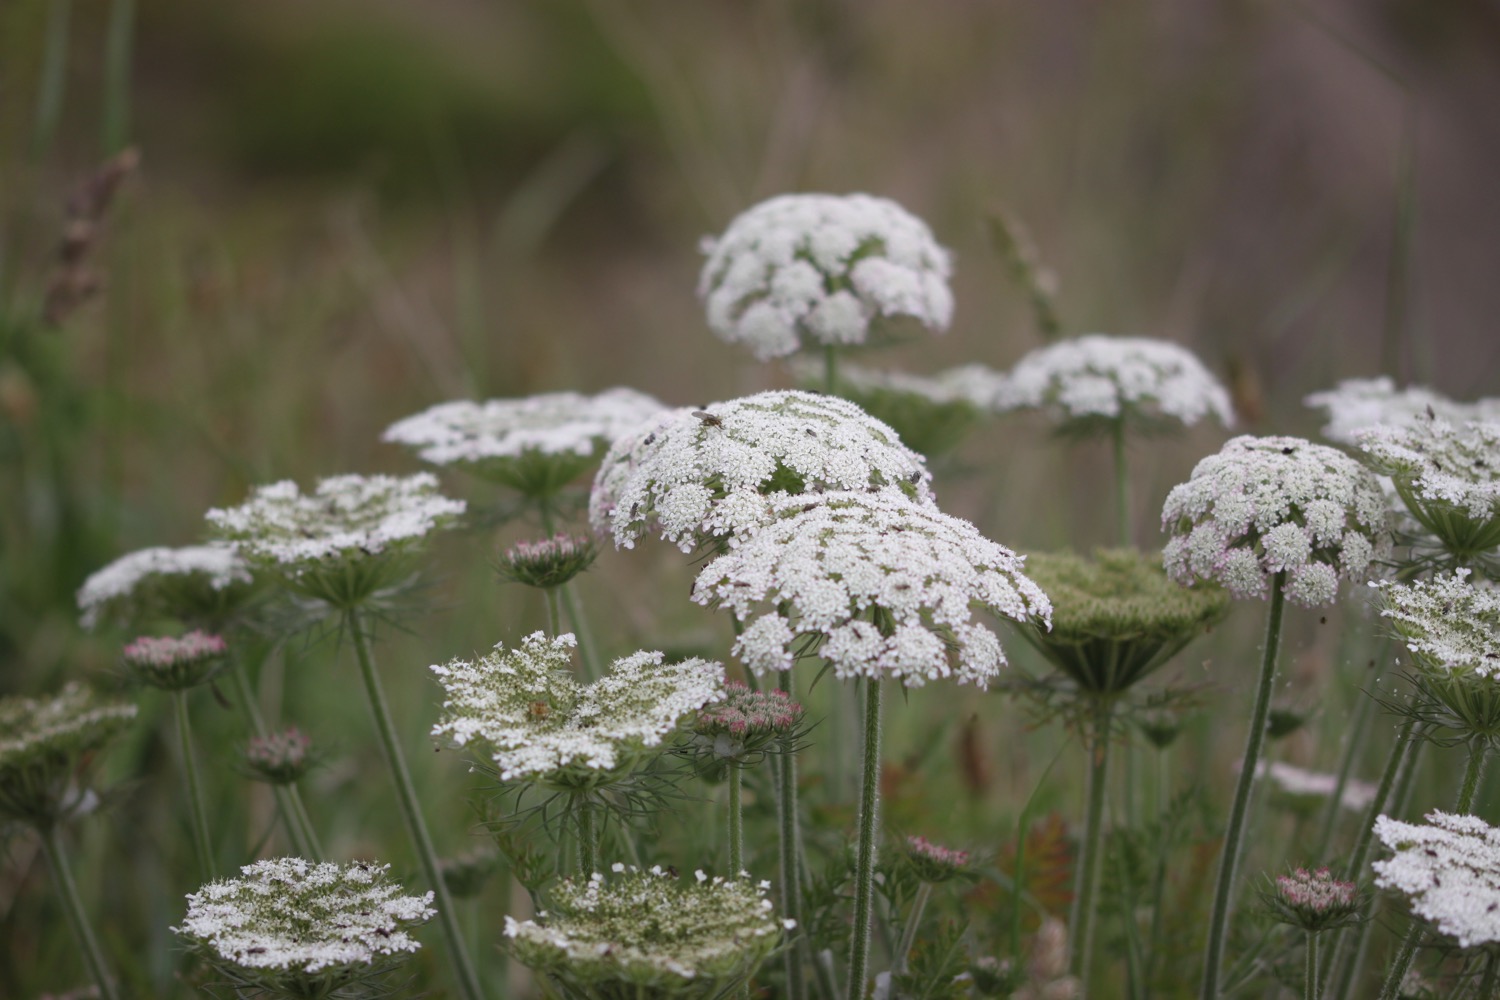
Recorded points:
(1314, 900)
(1263, 506)
(934, 862)
(1115, 378)
(1449, 869)
(539, 723)
(1356, 404)
(298, 928)
(43, 743)
(815, 269)
(697, 475)
(1449, 623)
(175, 663)
(649, 934)
(550, 562)
(535, 442)
(347, 518)
(886, 586)
(1300, 783)
(280, 758)
(176, 582)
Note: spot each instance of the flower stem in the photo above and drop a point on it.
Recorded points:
(791, 863)
(201, 840)
(1081, 921)
(1122, 482)
(1229, 860)
(736, 824)
(587, 651)
(830, 369)
(1310, 969)
(294, 817)
(406, 795)
(864, 871)
(554, 618)
(57, 860)
(913, 922)
(588, 837)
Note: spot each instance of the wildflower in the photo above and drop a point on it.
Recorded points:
(1447, 476)
(1449, 870)
(1299, 783)
(466, 873)
(342, 542)
(536, 444)
(548, 563)
(280, 758)
(1314, 900)
(883, 587)
(1269, 505)
(815, 270)
(1133, 379)
(933, 862)
(297, 928)
(176, 663)
(197, 582)
(647, 934)
(1116, 617)
(696, 476)
(1356, 404)
(45, 744)
(746, 722)
(539, 723)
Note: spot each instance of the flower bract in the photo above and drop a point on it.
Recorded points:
(1264, 506)
(696, 476)
(194, 583)
(878, 585)
(538, 723)
(44, 742)
(812, 270)
(1449, 870)
(648, 934)
(548, 563)
(299, 928)
(1314, 900)
(535, 444)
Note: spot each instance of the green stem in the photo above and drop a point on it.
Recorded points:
(554, 617)
(593, 669)
(588, 838)
(913, 923)
(736, 824)
(1081, 921)
(119, 40)
(864, 871)
(1228, 862)
(1471, 778)
(1310, 969)
(52, 86)
(1335, 804)
(201, 840)
(406, 795)
(294, 817)
(791, 863)
(57, 860)
(1122, 483)
(830, 369)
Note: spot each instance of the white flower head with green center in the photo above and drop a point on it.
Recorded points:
(1449, 623)
(1267, 505)
(43, 744)
(1298, 783)
(301, 928)
(191, 581)
(324, 540)
(1359, 403)
(1448, 476)
(538, 723)
(695, 476)
(885, 586)
(815, 270)
(650, 934)
(1449, 870)
(1097, 377)
(535, 444)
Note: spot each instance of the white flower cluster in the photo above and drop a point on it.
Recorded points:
(975, 384)
(697, 475)
(1115, 378)
(1356, 404)
(1263, 506)
(650, 930)
(1299, 783)
(345, 518)
(540, 723)
(40, 731)
(1449, 869)
(289, 919)
(818, 269)
(135, 579)
(1448, 623)
(556, 423)
(1435, 462)
(885, 584)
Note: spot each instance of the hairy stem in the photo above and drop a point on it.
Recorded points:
(1310, 968)
(57, 860)
(554, 617)
(864, 870)
(406, 795)
(791, 863)
(588, 838)
(1081, 920)
(593, 668)
(1122, 482)
(201, 840)
(1218, 929)
(736, 825)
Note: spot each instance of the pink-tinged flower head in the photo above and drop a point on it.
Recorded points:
(1315, 900)
(550, 562)
(746, 722)
(175, 663)
(933, 862)
(280, 758)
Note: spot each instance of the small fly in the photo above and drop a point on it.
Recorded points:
(709, 420)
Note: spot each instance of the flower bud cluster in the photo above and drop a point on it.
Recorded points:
(746, 722)
(176, 663)
(933, 862)
(280, 758)
(43, 745)
(550, 562)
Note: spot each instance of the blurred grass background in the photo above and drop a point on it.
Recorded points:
(348, 211)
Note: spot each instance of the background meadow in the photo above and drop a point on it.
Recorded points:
(346, 212)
